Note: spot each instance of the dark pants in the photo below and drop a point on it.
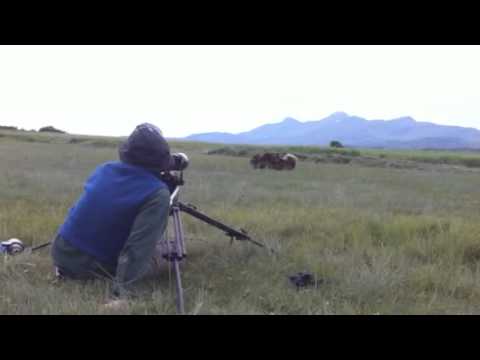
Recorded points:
(75, 264)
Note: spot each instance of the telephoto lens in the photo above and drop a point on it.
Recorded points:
(180, 161)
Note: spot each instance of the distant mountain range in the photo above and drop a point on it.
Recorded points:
(353, 131)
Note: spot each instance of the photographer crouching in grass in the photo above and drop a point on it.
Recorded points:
(114, 228)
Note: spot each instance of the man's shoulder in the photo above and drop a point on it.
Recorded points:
(118, 166)
(110, 164)
(105, 165)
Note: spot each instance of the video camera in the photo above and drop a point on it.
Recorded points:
(174, 177)
(180, 161)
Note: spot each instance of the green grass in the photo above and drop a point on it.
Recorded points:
(383, 240)
(464, 158)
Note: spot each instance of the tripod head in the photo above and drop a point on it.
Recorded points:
(174, 177)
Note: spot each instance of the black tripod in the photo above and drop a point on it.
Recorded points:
(174, 251)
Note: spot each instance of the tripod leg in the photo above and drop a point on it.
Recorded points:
(178, 277)
(182, 251)
(177, 255)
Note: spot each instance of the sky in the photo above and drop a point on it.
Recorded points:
(108, 90)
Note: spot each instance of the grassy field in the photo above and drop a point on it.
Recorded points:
(379, 240)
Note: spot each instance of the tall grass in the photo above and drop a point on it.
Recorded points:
(379, 240)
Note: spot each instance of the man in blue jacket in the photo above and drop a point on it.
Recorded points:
(114, 228)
